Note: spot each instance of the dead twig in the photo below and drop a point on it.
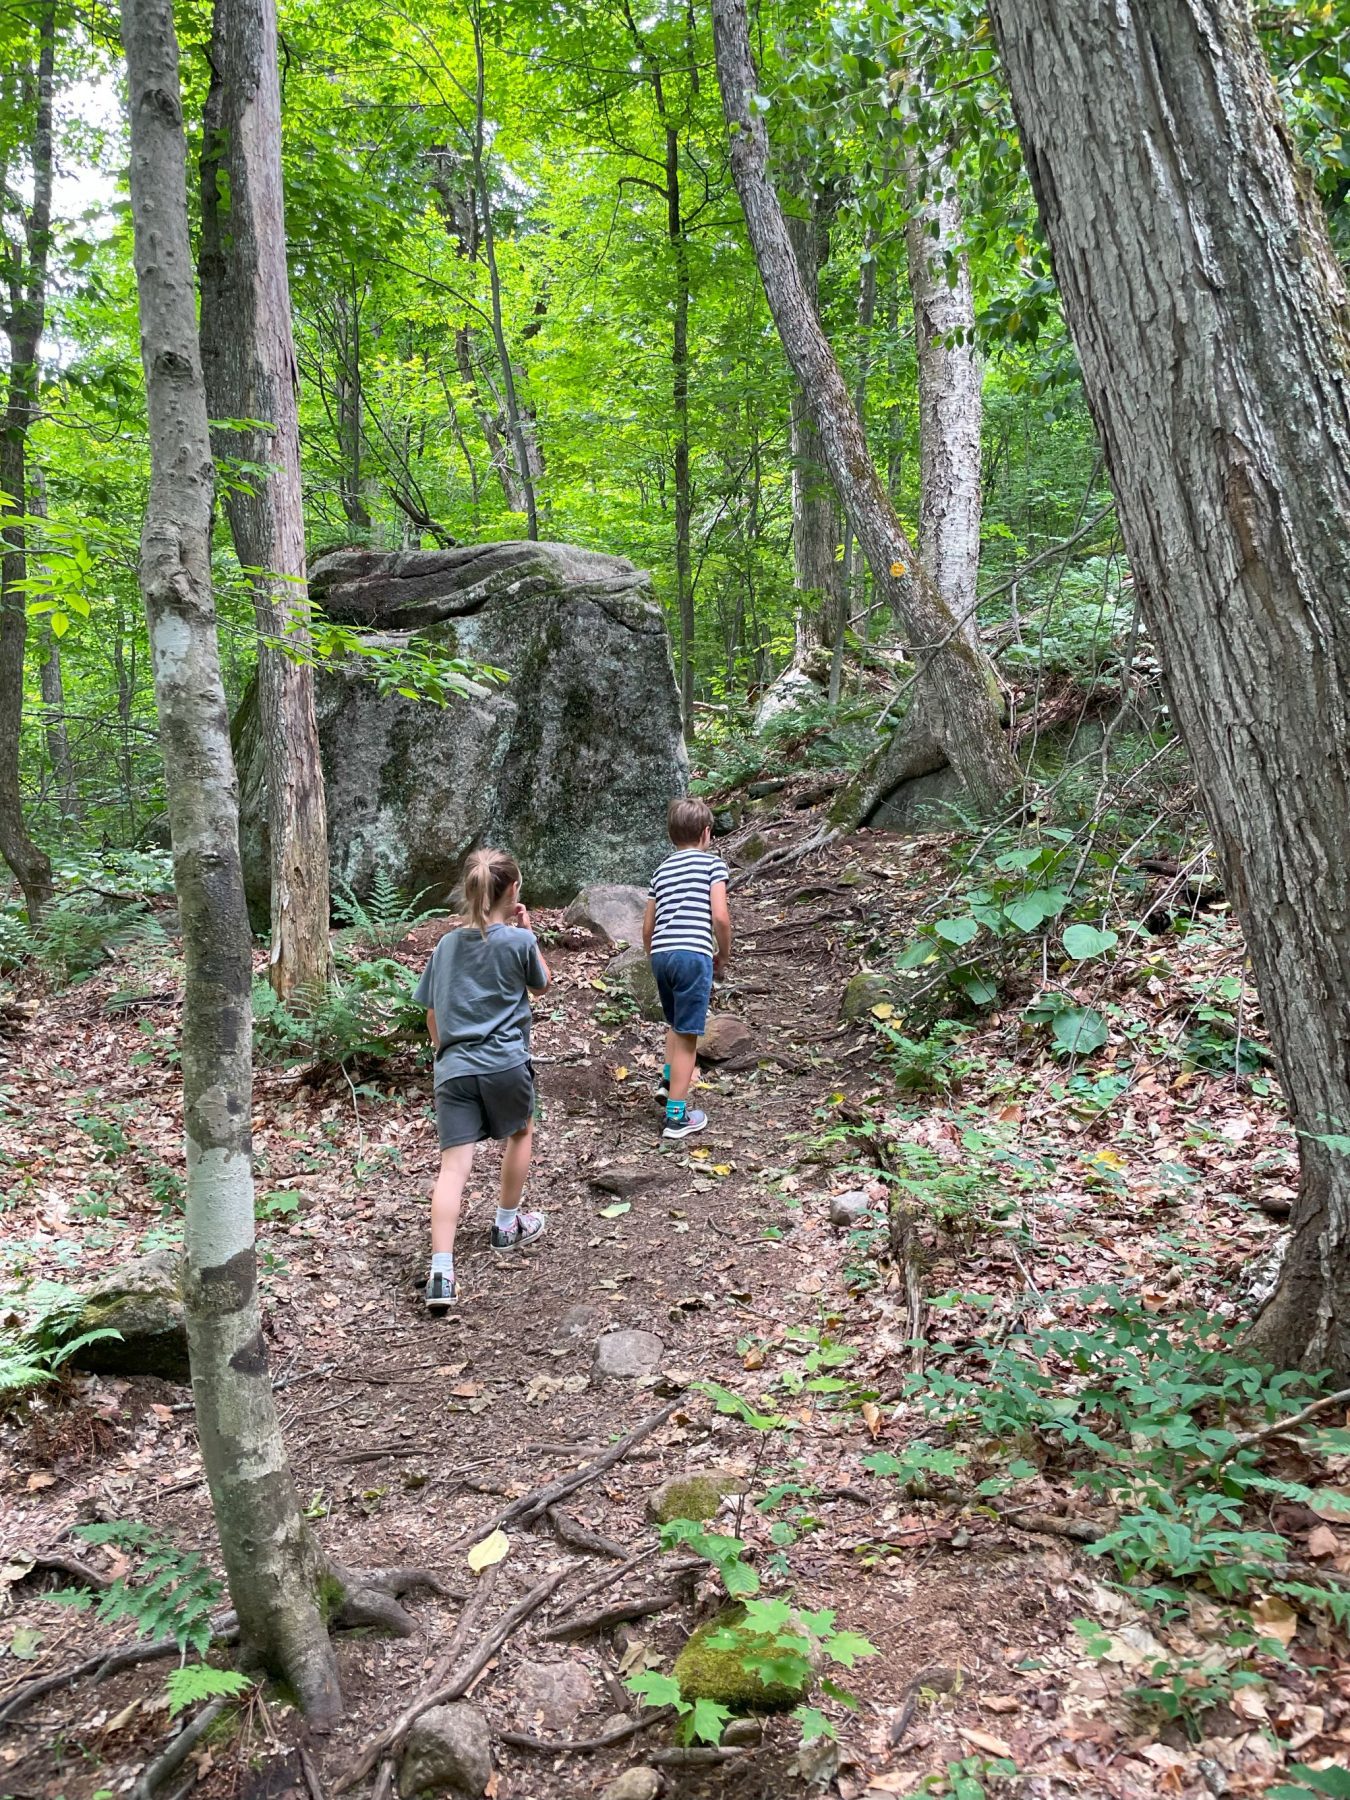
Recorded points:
(1246, 1439)
(311, 1774)
(617, 1734)
(577, 1537)
(103, 1664)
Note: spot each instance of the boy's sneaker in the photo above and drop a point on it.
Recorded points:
(442, 1292)
(692, 1120)
(527, 1228)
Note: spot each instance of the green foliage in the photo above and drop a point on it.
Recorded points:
(383, 918)
(1312, 1784)
(965, 1778)
(369, 1012)
(39, 1333)
(196, 1682)
(73, 938)
(169, 1593)
(927, 1065)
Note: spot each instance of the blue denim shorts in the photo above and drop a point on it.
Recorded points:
(684, 981)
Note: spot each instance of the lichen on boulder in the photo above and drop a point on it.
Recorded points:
(570, 765)
(708, 1673)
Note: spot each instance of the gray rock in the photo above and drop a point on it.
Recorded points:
(570, 766)
(794, 688)
(631, 972)
(726, 1037)
(611, 911)
(849, 1209)
(623, 1180)
(628, 1355)
(755, 846)
(861, 994)
(551, 1696)
(142, 1300)
(449, 1750)
(580, 1321)
(640, 1783)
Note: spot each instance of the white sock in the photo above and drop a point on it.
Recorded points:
(506, 1217)
(443, 1262)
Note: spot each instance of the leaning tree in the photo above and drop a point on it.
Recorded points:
(1210, 319)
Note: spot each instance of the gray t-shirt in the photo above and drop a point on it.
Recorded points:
(476, 985)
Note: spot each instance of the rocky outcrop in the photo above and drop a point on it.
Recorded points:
(142, 1302)
(570, 764)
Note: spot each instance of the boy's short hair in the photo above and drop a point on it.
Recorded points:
(687, 821)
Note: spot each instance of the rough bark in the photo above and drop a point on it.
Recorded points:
(269, 1560)
(958, 700)
(57, 736)
(950, 393)
(679, 368)
(815, 513)
(851, 598)
(26, 307)
(248, 361)
(1210, 319)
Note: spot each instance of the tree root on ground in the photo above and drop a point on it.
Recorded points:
(617, 1734)
(225, 1630)
(370, 1597)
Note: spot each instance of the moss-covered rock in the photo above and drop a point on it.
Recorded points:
(862, 993)
(705, 1673)
(693, 1496)
(631, 973)
(142, 1301)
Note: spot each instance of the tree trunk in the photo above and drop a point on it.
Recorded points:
(1209, 316)
(248, 361)
(54, 729)
(679, 359)
(350, 422)
(851, 594)
(815, 515)
(25, 316)
(950, 395)
(268, 1555)
(958, 696)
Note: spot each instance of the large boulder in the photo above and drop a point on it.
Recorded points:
(610, 911)
(570, 764)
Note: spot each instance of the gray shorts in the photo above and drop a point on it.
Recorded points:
(470, 1108)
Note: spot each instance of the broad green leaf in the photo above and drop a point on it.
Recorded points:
(1079, 1030)
(958, 931)
(1083, 941)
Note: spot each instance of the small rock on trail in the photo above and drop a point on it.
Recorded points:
(628, 1355)
(849, 1209)
(640, 1783)
(726, 1037)
(449, 1750)
(632, 973)
(141, 1300)
(551, 1696)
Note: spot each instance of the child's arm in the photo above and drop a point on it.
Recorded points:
(536, 964)
(648, 924)
(721, 923)
(431, 1030)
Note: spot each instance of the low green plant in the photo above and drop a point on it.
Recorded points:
(1312, 1784)
(168, 1593)
(965, 1779)
(39, 1333)
(369, 1012)
(929, 1064)
(383, 917)
(199, 1681)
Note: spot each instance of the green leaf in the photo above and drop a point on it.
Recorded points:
(709, 1720)
(654, 1687)
(847, 1647)
(1083, 941)
(1318, 1781)
(814, 1724)
(957, 931)
(1079, 1030)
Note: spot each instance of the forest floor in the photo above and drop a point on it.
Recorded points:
(407, 1435)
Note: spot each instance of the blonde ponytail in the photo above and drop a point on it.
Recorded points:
(487, 876)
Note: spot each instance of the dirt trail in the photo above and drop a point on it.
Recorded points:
(407, 1436)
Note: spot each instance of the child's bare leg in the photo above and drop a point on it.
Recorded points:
(447, 1197)
(681, 1054)
(515, 1167)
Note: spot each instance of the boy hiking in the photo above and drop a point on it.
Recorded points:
(687, 934)
(476, 990)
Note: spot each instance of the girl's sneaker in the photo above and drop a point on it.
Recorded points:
(692, 1120)
(527, 1228)
(442, 1292)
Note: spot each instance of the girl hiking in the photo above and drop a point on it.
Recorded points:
(476, 990)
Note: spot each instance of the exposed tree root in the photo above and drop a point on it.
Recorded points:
(370, 1597)
(224, 1631)
(576, 1537)
(155, 1774)
(617, 1734)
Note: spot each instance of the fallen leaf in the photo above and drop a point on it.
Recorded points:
(883, 1010)
(984, 1740)
(621, 1073)
(895, 1783)
(1323, 1542)
(40, 1479)
(753, 1359)
(619, 1208)
(1001, 1703)
(467, 1390)
(491, 1550)
(24, 1643)
(872, 1419)
(1276, 1618)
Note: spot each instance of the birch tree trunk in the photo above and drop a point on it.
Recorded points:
(950, 395)
(1210, 316)
(955, 715)
(25, 267)
(272, 1571)
(248, 361)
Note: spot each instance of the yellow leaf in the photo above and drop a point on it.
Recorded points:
(897, 569)
(700, 1155)
(721, 1168)
(491, 1550)
(883, 1011)
(872, 1419)
(1109, 1159)
(753, 1359)
(621, 1073)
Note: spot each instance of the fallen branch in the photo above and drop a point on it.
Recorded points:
(1078, 1531)
(57, 1562)
(819, 840)
(578, 1538)
(697, 1756)
(1246, 1439)
(617, 1734)
(534, 1505)
(178, 1750)
(104, 1663)
(622, 1612)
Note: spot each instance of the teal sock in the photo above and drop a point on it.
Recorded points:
(665, 1074)
(675, 1109)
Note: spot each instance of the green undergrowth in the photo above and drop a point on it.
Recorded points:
(39, 1333)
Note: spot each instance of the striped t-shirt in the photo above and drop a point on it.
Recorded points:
(682, 889)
